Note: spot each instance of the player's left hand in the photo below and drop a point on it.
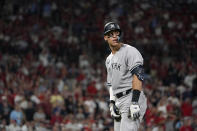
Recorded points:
(115, 113)
(134, 111)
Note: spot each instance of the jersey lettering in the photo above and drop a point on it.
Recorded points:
(116, 66)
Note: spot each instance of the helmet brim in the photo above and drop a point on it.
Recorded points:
(108, 31)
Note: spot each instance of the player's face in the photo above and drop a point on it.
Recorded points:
(112, 38)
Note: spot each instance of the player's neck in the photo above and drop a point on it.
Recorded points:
(115, 49)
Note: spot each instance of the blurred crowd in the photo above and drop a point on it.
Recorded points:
(52, 55)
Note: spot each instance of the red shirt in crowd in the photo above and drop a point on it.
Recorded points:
(150, 117)
(186, 109)
(186, 128)
(91, 89)
(56, 118)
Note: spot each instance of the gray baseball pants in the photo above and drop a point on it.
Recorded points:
(123, 103)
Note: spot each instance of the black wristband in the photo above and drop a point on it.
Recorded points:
(136, 95)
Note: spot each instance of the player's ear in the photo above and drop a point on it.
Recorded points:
(105, 38)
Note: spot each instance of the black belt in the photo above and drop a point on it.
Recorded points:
(118, 95)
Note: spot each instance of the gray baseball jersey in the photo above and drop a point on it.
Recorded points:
(119, 67)
(119, 77)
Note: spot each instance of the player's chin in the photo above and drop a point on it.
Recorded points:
(114, 44)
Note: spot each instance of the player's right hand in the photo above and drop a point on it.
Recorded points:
(115, 113)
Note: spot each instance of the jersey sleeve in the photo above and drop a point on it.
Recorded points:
(133, 58)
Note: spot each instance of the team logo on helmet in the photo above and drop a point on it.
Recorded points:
(112, 26)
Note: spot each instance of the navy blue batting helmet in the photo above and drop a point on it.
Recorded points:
(111, 26)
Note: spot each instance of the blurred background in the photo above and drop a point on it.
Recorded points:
(52, 55)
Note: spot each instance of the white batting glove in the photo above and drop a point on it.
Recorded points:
(134, 111)
(114, 111)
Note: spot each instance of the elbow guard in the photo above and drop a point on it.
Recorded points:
(139, 72)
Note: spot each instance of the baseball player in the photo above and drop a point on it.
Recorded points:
(125, 75)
